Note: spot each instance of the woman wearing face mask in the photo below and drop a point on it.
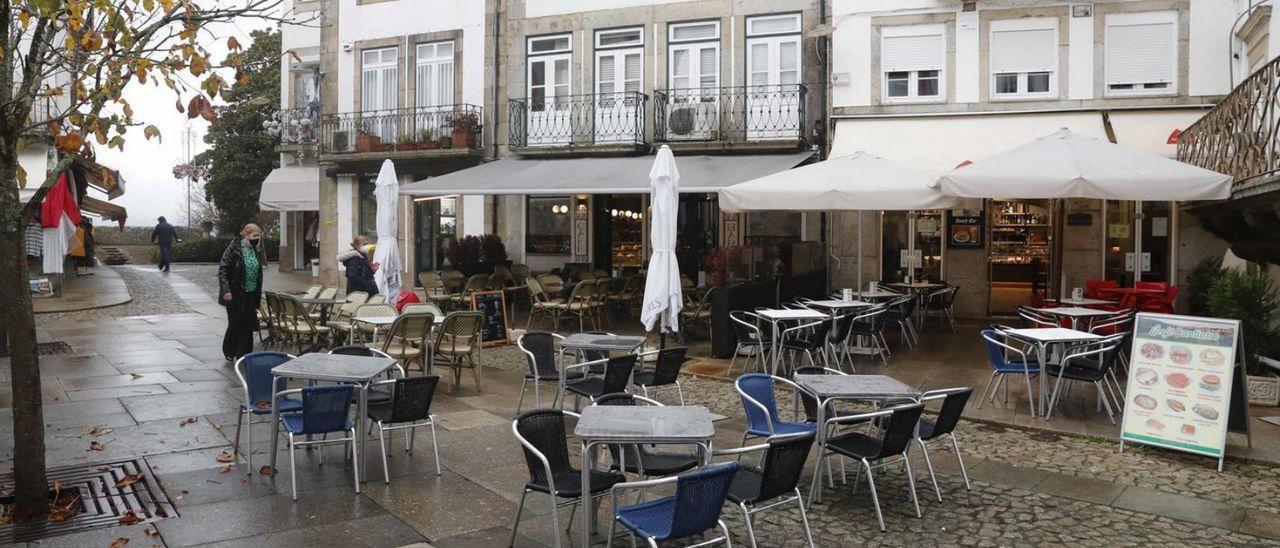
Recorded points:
(359, 270)
(240, 283)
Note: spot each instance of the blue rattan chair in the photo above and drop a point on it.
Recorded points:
(324, 411)
(694, 508)
(763, 421)
(1006, 360)
(254, 371)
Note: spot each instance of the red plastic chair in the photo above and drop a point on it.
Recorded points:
(1091, 288)
(1162, 286)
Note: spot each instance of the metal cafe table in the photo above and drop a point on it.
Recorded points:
(775, 315)
(599, 343)
(829, 388)
(1083, 301)
(1074, 313)
(359, 370)
(659, 425)
(1042, 338)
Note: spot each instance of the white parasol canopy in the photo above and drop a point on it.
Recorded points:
(662, 293)
(859, 181)
(387, 253)
(1068, 165)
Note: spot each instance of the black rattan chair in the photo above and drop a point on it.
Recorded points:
(408, 409)
(665, 373)
(777, 477)
(376, 393)
(617, 374)
(896, 435)
(541, 434)
(944, 426)
(539, 348)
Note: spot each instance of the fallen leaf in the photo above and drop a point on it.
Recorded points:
(136, 376)
(186, 492)
(244, 479)
(160, 513)
(130, 518)
(117, 543)
(264, 471)
(59, 515)
(186, 421)
(95, 446)
(262, 404)
(128, 480)
(216, 426)
(225, 468)
(152, 533)
(96, 431)
(225, 457)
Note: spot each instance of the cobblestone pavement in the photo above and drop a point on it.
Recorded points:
(150, 295)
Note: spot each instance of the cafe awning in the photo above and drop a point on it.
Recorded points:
(291, 188)
(937, 144)
(101, 177)
(514, 175)
(103, 209)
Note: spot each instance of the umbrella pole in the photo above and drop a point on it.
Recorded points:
(859, 288)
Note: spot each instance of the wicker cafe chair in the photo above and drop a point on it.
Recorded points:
(407, 338)
(340, 322)
(422, 308)
(628, 298)
(324, 411)
(452, 280)
(298, 323)
(276, 333)
(312, 291)
(458, 344)
(580, 304)
(541, 434)
(408, 409)
(553, 284)
(777, 477)
(377, 299)
(600, 299)
(326, 293)
(542, 304)
(694, 508)
(265, 321)
(433, 285)
(368, 331)
(700, 314)
(478, 282)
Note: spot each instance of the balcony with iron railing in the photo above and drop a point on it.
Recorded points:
(1241, 135)
(578, 123)
(765, 116)
(427, 131)
(298, 127)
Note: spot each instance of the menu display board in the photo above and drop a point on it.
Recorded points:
(964, 231)
(493, 306)
(1181, 374)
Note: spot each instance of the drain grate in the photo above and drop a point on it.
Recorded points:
(50, 348)
(114, 493)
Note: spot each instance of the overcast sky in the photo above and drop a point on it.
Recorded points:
(147, 166)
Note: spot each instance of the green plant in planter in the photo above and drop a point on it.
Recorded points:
(1199, 281)
(1251, 296)
(492, 250)
(466, 251)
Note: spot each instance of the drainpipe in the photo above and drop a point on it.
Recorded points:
(493, 117)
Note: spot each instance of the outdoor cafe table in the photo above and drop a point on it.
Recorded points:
(837, 304)
(615, 424)
(877, 294)
(325, 305)
(599, 343)
(1042, 338)
(828, 388)
(1082, 301)
(1075, 313)
(775, 315)
(360, 370)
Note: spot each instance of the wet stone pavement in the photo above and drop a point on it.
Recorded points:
(151, 383)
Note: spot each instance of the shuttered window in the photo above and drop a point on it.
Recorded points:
(1024, 58)
(913, 60)
(1141, 53)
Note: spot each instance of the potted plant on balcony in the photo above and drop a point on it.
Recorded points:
(427, 140)
(405, 141)
(367, 142)
(465, 126)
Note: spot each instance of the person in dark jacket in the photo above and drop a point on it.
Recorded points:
(165, 235)
(359, 269)
(240, 290)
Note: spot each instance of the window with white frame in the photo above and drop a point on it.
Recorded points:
(773, 50)
(1024, 58)
(434, 74)
(619, 60)
(378, 90)
(695, 57)
(1142, 53)
(913, 61)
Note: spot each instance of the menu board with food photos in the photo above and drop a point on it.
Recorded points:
(964, 231)
(1180, 376)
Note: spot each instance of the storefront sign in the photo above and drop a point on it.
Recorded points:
(1180, 388)
(964, 231)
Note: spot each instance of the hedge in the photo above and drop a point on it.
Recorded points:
(209, 250)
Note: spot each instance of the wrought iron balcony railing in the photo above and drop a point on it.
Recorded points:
(740, 113)
(1241, 135)
(299, 126)
(419, 128)
(598, 118)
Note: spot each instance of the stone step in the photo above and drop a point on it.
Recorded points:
(113, 255)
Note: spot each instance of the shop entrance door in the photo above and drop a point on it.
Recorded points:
(1139, 240)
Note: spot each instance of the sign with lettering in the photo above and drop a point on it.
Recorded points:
(493, 306)
(964, 231)
(1182, 370)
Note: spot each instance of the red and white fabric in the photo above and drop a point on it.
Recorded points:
(59, 217)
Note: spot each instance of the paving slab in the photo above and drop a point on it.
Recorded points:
(475, 418)
(197, 375)
(202, 386)
(205, 458)
(1076, 487)
(113, 381)
(66, 366)
(1180, 507)
(1007, 474)
(236, 519)
(117, 392)
(382, 530)
(1263, 524)
(165, 406)
(209, 485)
(442, 506)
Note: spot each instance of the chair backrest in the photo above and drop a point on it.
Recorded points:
(901, 429)
(325, 408)
(1092, 287)
(452, 280)
(431, 281)
(410, 327)
(520, 271)
(552, 284)
(354, 300)
(536, 292)
(382, 310)
(328, 293)
(539, 349)
(254, 370)
(699, 498)
(543, 429)
(357, 350)
(459, 329)
(422, 308)
(1162, 286)
(411, 398)
(377, 299)
(953, 402)
(746, 326)
(758, 387)
(312, 291)
(478, 282)
(871, 319)
(783, 463)
(670, 360)
(617, 373)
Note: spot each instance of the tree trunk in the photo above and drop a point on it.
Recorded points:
(18, 322)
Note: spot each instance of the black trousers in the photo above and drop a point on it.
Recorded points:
(242, 322)
(166, 255)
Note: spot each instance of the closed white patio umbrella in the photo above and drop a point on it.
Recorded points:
(387, 253)
(857, 182)
(1068, 165)
(662, 292)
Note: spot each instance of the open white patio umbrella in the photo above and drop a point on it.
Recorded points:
(662, 292)
(387, 253)
(857, 182)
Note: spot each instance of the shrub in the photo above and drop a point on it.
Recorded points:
(209, 250)
(465, 251)
(1248, 295)
(1199, 281)
(492, 250)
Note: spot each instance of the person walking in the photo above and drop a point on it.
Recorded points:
(165, 235)
(240, 290)
(358, 268)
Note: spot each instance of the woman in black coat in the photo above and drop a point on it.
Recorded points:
(240, 290)
(358, 269)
